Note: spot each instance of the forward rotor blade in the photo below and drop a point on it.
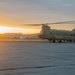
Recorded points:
(65, 22)
(32, 24)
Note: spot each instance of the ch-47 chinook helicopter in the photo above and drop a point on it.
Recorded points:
(56, 35)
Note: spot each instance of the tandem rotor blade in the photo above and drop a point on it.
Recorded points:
(32, 24)
(65, 22)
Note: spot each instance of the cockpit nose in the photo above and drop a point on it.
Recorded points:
(42, 36)
(39, 35)
(73, 29)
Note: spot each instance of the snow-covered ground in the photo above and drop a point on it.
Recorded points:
(37, 58)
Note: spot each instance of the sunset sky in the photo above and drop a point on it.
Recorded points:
(15, 13)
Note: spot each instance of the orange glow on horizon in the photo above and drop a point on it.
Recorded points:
(4, 29)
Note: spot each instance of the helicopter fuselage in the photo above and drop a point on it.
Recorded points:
(57, 35)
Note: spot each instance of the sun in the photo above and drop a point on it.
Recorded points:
(3, 29)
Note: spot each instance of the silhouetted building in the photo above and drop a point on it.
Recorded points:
(15, 36)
